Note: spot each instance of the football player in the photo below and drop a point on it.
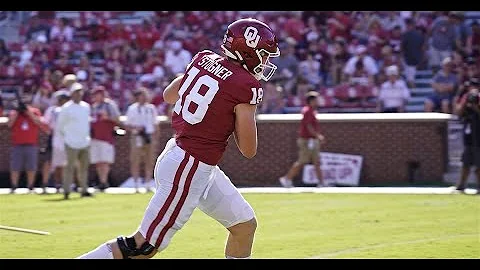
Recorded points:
(216, 97)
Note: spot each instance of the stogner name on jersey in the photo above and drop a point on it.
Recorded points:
(215, 68)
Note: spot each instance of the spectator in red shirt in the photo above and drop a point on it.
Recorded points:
(339, 25)
(118, 34)
(146, 36)
(25, 123)
(105, 115)
(308, 142)
(295, 27)
(198, 41)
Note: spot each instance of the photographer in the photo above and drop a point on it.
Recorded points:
(25, 123)
(468, 109)
(142, 123)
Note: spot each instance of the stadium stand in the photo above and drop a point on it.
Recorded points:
(125, 49)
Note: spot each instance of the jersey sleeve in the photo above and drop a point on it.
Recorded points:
(251, 92)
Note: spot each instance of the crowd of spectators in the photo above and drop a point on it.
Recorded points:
(320, 51)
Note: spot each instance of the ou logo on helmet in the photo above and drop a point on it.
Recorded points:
(251, 37)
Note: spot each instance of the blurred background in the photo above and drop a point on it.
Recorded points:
(319, 52)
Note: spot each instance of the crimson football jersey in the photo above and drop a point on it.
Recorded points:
(203, 117)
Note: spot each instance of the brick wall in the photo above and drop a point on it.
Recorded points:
(386, 147)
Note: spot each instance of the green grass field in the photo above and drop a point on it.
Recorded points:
(290, 226)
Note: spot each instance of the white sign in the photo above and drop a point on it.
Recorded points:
(341, 169)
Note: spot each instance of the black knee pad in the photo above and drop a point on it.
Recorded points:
(129, 249)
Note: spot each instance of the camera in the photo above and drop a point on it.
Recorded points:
(22, 107)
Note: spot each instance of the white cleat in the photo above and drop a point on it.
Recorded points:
(285, 182)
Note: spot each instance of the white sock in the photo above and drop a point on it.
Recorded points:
(230, 257)
(104, 251)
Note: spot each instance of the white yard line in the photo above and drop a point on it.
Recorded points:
(17, 229)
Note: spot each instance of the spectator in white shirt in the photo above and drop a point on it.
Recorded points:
(142, 124)
(368, 63)
(309, 70)
(393, 19)
(394, 93)
(177, 58)
(57, 159)
(62, 31)
(74, 126)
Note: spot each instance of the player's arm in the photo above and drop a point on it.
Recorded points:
(170, 95)
(245, 133)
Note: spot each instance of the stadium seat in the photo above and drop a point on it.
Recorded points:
(369, 96)
(348, 96)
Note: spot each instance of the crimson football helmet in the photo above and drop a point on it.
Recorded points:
(251, 43)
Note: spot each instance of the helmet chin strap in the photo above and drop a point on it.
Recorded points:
(229, 53)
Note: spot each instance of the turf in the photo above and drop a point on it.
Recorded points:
(290, 226)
